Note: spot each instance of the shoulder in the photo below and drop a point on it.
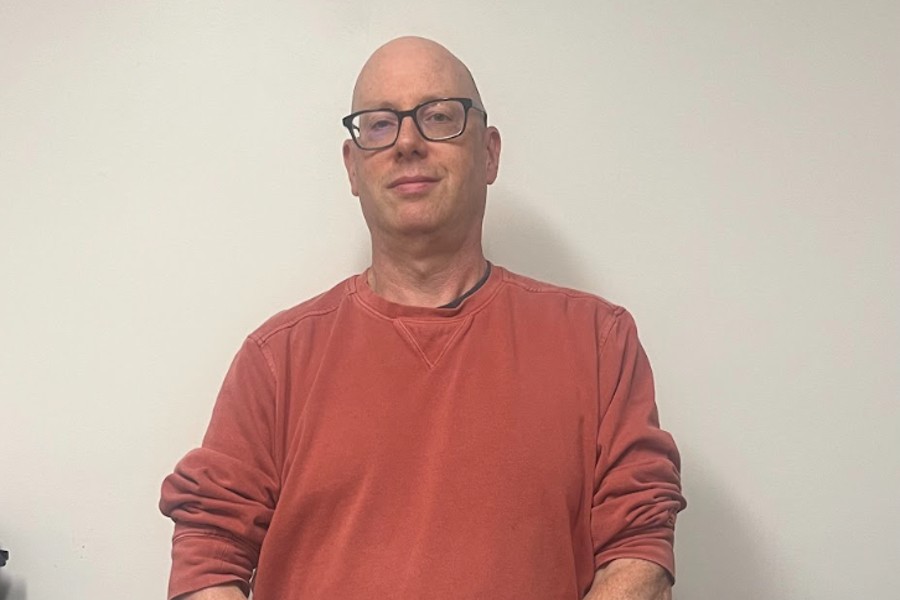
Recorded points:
(572, 313)
(308, 313)
(551, 296)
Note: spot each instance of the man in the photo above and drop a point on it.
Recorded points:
(435, 427)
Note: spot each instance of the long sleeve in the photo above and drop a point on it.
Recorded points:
(637, 490)
(221, 496)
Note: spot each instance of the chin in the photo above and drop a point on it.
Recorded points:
(416, 219)
(416, 228)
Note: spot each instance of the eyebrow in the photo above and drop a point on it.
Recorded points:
(391, 105)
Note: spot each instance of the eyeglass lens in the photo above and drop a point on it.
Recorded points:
(437, 120)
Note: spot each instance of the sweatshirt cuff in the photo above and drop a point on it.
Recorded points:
(204, 559)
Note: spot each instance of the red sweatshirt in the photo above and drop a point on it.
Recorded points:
(506, 448)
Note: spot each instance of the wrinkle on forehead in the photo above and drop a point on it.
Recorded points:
(413, 57)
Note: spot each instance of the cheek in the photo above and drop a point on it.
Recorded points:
(360, 180)
(474, 169)
(364, 186)
(477, 163)
(370, 172)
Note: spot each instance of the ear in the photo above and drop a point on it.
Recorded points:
(350, 165)
(492, 153)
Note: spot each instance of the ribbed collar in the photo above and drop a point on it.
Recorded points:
(360, 287)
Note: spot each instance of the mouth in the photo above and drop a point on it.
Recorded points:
(412, 184)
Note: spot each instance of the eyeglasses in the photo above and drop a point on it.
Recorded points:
(437, 121)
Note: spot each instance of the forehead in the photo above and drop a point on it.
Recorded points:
(404, 77)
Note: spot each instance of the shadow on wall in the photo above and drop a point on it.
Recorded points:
(11, 588)
(518, 238)
(718, 553)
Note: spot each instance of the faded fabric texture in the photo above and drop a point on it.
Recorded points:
(505, 448)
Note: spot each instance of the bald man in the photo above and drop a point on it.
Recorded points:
(436, 426)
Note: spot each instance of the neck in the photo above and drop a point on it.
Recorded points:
(425, 280)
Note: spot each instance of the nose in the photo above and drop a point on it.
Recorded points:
(409, 139)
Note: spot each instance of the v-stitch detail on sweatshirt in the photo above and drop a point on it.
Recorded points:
(432, 339)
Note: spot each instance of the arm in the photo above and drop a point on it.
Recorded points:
(219, 592)
(222, 495)
(630, 579)
(637, 489)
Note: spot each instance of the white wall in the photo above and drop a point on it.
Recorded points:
(170, 176)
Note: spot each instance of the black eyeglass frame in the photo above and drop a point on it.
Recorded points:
(411, 113)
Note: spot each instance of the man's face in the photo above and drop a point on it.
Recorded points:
(418, 187)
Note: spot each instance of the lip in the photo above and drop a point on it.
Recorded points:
(412, 184)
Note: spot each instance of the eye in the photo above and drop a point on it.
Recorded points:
(441, 116)
(377, 122)
(381, 125)
(438, 117)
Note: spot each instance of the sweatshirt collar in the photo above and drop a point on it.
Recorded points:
(468, 303)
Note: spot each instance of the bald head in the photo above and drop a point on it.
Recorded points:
(412, 63)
